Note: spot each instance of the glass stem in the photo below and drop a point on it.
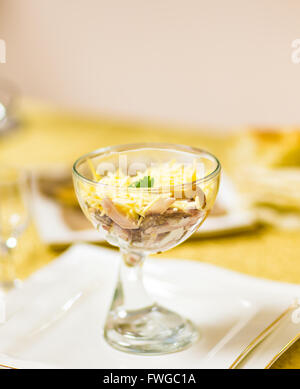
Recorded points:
(130, 294)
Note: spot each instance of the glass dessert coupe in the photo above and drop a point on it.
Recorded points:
(145, 198)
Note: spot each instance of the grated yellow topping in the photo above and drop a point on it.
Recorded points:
(136, 201)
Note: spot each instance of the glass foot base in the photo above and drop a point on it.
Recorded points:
(152, 330)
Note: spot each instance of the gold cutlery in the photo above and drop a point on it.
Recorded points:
(265, 334)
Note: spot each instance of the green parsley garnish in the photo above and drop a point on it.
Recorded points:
(146, 182)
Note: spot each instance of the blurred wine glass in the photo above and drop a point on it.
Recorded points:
(170, 212)
(8, 102)
(14, 218)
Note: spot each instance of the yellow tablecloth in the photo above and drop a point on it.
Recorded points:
(48, 136)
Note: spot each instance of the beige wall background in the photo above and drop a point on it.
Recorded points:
(221, 63)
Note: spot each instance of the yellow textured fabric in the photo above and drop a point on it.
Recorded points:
(48, 137)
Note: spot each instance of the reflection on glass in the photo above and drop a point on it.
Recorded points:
(2, 111)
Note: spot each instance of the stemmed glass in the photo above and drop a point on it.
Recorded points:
(14, 218)
(145, 198)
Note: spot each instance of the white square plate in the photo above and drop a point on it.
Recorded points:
(56, 319)
(53, 229)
